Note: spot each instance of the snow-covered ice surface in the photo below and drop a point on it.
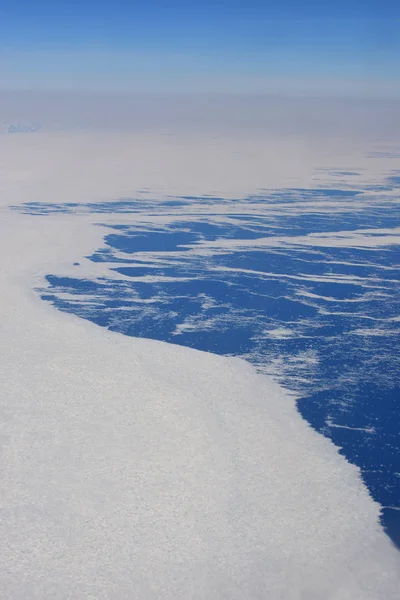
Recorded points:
(133, 468)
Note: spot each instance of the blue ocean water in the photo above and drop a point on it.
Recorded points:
(291, 280)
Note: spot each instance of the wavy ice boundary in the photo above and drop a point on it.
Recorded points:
(134, 468)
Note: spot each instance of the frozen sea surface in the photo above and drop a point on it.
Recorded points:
(303, 283)
(132, 467)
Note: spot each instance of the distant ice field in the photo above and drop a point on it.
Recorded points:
(302, 283)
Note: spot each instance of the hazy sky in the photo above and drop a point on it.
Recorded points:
(226, 46)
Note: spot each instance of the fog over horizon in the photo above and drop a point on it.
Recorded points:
(275, 114)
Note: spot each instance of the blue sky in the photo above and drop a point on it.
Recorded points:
(157, 45)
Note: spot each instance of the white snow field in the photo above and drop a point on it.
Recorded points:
(134, 469)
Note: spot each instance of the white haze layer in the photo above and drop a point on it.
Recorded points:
(137, 469)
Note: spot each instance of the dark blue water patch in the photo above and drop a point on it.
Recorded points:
(368, 438)
(310, 223)
(340, 291)
(213, 231)
(164, 242)
(184, 234)
(104, 255)
(391, 522)
(78, 285)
